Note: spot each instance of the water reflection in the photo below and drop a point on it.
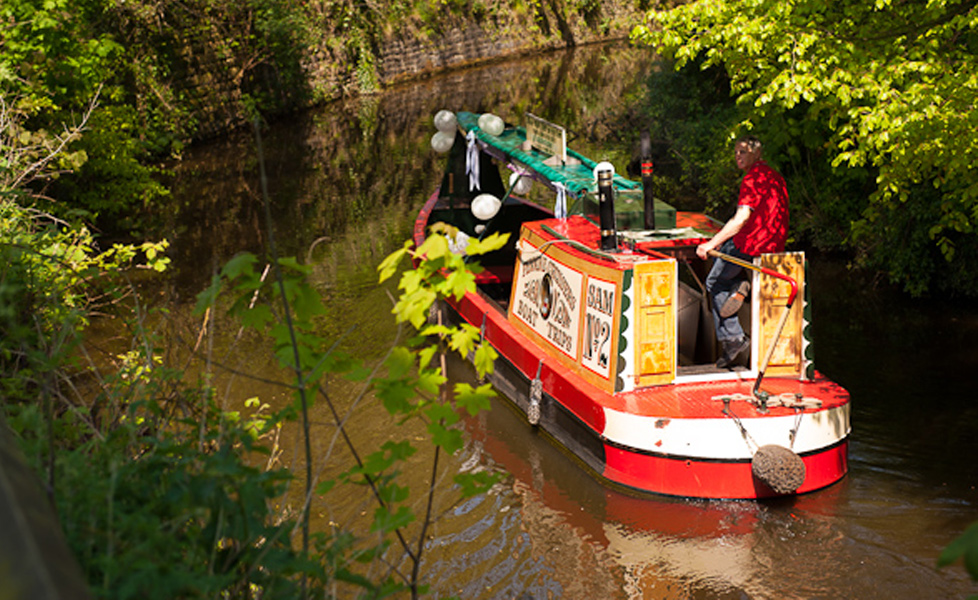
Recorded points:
(345, 182)
(357, 169)
(574, 538)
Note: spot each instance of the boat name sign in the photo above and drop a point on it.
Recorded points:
(547, 300)
(598, 321)
(547, 137)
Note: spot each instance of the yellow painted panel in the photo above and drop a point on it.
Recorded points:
(655, 358)
(655, 331)
(773, 296)
(655, 288)
(654, 325)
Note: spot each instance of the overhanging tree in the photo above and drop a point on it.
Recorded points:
(893, 82)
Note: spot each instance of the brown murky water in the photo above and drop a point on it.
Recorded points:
(345, 181)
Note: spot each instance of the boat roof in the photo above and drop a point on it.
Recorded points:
(577, 175)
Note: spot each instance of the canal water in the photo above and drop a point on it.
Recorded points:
(344, 183)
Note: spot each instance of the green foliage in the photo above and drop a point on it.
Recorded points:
(158, 488)
(51, 277)
(56, 65)
(689, 112)
(411, 390)
(152, 510)
(964, 548)
(890, 83)
(119, 77)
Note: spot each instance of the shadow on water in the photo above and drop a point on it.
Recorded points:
(345, 181)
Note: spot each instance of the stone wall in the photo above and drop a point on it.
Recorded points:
(408, 58)
(213, 73)
(468, 43)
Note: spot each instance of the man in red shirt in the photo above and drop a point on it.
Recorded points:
(760, 225)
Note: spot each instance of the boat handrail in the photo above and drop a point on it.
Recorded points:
(561, 239)
(759, 269)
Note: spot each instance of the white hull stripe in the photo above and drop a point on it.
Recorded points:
(721, 438)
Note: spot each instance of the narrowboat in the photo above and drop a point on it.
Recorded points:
(597, 309)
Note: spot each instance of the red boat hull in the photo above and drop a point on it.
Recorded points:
(575, 413)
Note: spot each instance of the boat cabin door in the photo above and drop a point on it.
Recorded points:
(698, 349)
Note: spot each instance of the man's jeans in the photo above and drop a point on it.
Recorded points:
(720, 284)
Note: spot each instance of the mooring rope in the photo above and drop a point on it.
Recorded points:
(793, 434)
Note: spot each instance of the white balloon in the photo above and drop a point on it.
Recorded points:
(522, 186)
(442, 142)
(445, 121)
(491, 124)
(485, 206)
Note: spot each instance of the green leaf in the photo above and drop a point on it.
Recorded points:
(292, 264)
(324, 487)
(399, 450)
(488, 244)
(960, 547)
(425, 356)
(474, 400)
(430, 381)
(257, 318)
(389, 265)
(386, 521)
(208, 297)
(399, 363)
(396, 396)
(434, 247)
(441, 413)
(393, 493)
(476, 483)
(448, 438)
(485, 359)
(464, 339)
(243, 263)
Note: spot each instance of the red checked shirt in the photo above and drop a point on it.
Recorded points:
(764, 191)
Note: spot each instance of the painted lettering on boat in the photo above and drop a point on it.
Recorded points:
(599, 310)
(526, 312)
(597, 338)
(547, 298)
(560, 338)
(602, 300)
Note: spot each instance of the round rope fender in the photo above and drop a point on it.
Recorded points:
(779, 468)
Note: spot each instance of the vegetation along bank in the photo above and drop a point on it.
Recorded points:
(867, 107)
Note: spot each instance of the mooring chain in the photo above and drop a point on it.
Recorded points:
(797, 402)
(793, 434)
(751, 444)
